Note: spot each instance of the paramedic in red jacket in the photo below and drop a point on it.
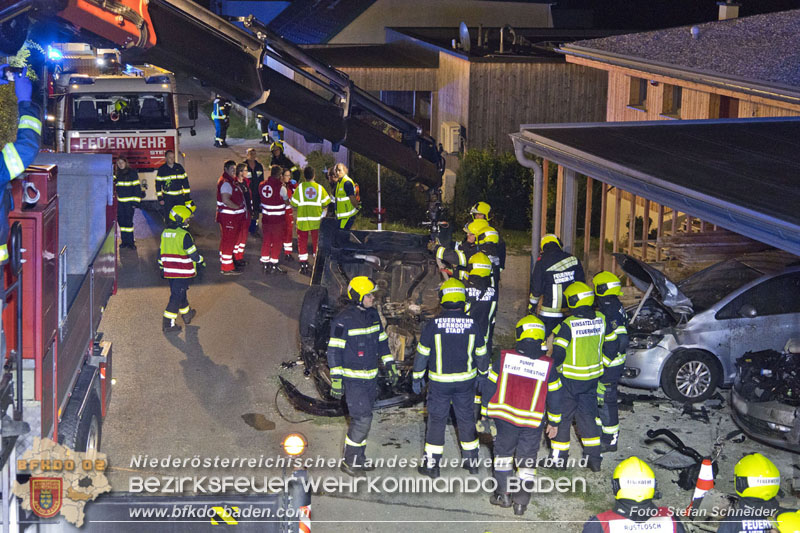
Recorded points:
(273, 219)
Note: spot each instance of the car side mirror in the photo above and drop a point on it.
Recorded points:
(747, 311)
(192, 110)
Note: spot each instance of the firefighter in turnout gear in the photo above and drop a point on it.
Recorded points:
(311, 201)
(19, 154)
(757, 481)
(172, 184)
(481, 302)
(482, 211)
(279, 157)
(451, 350)
(634, 487)
(220, 114)
(358, 345)
(458, 257)
(129, 194)
(555, 269)
(522, 383)
(607, 290)
(178, 262)
(579, 345)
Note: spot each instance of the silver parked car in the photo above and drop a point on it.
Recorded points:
(685, 337)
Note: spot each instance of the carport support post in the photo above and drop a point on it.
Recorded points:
(568, 207)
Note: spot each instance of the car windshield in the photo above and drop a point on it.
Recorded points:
(707, 287)
(93, 112)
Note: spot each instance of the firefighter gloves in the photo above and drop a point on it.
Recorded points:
(601, 393)
(416, 386)
(336, 388)
(391, 371)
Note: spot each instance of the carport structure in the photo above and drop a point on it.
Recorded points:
(742, 175)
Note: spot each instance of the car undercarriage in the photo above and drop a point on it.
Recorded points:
(407, 279)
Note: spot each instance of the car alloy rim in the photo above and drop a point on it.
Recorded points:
(693, 379)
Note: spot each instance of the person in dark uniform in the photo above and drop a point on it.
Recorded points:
(129, 194)
(608, 289)
(172, 184)
(452, 352)
(358, 346)
(256, 174)
(634, 487)
(483, 211)
(555, 269)
(221, 117)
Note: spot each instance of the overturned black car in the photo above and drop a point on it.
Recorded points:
(766, 395)
(407, 278)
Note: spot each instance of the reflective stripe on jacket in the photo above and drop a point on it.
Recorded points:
(344, 207)
(310, 199)
(175, 260)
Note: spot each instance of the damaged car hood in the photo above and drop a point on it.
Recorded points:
(664, 290)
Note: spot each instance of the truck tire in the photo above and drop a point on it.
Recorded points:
(691, 376)
(311, 313)
(83, 433)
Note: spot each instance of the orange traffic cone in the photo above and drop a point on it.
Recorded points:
(705, 482)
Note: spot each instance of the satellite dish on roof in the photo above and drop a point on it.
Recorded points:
(463, 37)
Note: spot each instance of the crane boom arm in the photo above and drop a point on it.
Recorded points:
(262, 71)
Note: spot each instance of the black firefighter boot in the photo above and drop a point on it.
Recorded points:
(502, 499)
(168, 325)
(594, 462)
(187, 317)
(429, 467)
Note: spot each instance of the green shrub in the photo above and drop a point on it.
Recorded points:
(496, 178)
(402, 200)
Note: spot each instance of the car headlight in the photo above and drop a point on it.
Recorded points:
(294, 444)
(641, 342)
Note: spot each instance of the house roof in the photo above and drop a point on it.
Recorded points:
(761, 50)
(534, 43)
(371, 55)
(317, 21)
(740, 174)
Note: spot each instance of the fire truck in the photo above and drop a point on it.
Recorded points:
(102, 106)
(250, 65)
(60, 275)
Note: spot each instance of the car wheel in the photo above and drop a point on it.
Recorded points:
(691, 376)
(311, 313)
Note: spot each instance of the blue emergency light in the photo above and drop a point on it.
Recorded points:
(54, 54)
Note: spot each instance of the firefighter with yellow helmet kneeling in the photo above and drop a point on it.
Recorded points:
(452, 352)
(757, 481)
(358, 345)
(634, 487)
(178, 260)
(521, 384)
(579, 343)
